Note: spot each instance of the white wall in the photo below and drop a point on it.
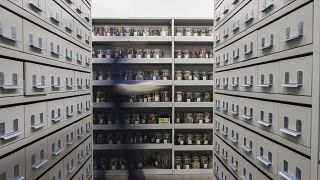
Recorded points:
(152, 8)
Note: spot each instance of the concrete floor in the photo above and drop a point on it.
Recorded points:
(164, 177)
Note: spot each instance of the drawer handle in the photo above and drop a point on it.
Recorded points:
(224, 133)
(79, 10)
(55, 51)
(35, 45)
(36, 85)
(225, 9)
(223, 157)
(246, 85)
(10, 135)
(246, 117)
(217, 128)
(12, 37)
(38, 126)
(218, 17)
(290, 132)
(55, 17)
(287, 83)
(235, 53)
(263, 84)
(79, 33)
(87, 17)
(289, 36)
(226, 33)
(69, 1)
(266, 45)
(244, 177)
(70, 142)
(39, 164)
(13, 86)
(266, 5)
(69, 171)
(225, 57)
(264, 160)
(234, 140)
(57, 152)
(234, 112)
(81, 159)
(88, 129)
(247, 149)
(224, 109)
(79, 58)
(80, 135)
(56, 119)
(80, 110)
(233, 167)
(286, 175)
(249, 17)
(87, 61)
(217, 38)
(57, 84)
(19, 178)
(69, 26)
(234, 85)
(88, 173)
(248, 51)
(236, 25)
(36, 4)
(264, 123)
(69, 55)
(234, 1)
(71, 114)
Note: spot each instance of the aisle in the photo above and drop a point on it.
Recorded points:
(168, 177)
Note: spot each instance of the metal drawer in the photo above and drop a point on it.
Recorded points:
(35, 39)
(13, 166)
(70, 136)
(36, 7)
(70, 164)
(267, 154)
(266, 116)
(36, 158)
(11, 78)
(267, 79)
(55, 112)
(54, 14)
(54, 46)
(36, 118)
(57, 172)
(56, 146)
(67, 23)
(37, 79)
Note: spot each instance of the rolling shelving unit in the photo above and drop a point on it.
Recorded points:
(169, 44)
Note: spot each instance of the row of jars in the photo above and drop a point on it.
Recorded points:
(195, 117)
(193, 161)
(156, 74)
(135, 118)
(202, 53)
(157, 96)
(138, 161)
(127, 53)
(138, 137)
(195, 75)
(194, 31)
(109, 30)
(193, 96)
(193, 139)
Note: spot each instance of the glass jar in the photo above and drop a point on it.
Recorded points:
(157, 162)
(152, 118)
(187, 75)
(195, 162)
(118, 138)
(198, 139)
(139, 75)
(101, 31)
(147, 53)
(164, 31)
(179, 31)
(206, 139)
(155, 32)
(103, 165)
(188, 118)
(155, 75)
(100, 138)
(186, 54)
(210, 162)
(110, 119)
(195, 32)
(209, 32)
(199, 118)
(94, 75)
(178, 162)
(196, 75)
(179, 96)
(180, 139)
(132, 98)
(178, 117)
(129, 75)
(144, 118)
(130, 53)
(139, 162)
(178, 75)
(100, 75)
(100, 53)
(165, 97)
(207, 117)
(109, 139)
(108, 75)
(157, 53)
(156, 97)
(190, 139)
(188, 31)
(203, 53)
(108, 53)
(146, 31)
(178, 53)
(211, 52)
(138, 138)
(127, 31)
(210, 74)
(198, 97)
(166, 138)
(122, 164)
(207, 97)
(158, 137)
(193, 54)
(117, 53)
(135, 119)
(139, 53)
(165, 74)
(186, 162)
(204, 75)
(113, 165)
(101, 119)
(203, 32)
(204, 162)
(188, 97)
(166, 162)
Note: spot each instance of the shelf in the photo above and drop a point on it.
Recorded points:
(103, 105)
(193, 147)
(131, 126)
(194, 104)
(131, 146)
(132, 39)
(194, 39)
(145, 82)
(132, 61)
(269, 96)
(194, 61)
(193, 126)
(125, 172)
(147, 104)
(193, 171)
(193, 82)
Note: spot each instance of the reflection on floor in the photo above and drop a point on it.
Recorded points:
(164, 177)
